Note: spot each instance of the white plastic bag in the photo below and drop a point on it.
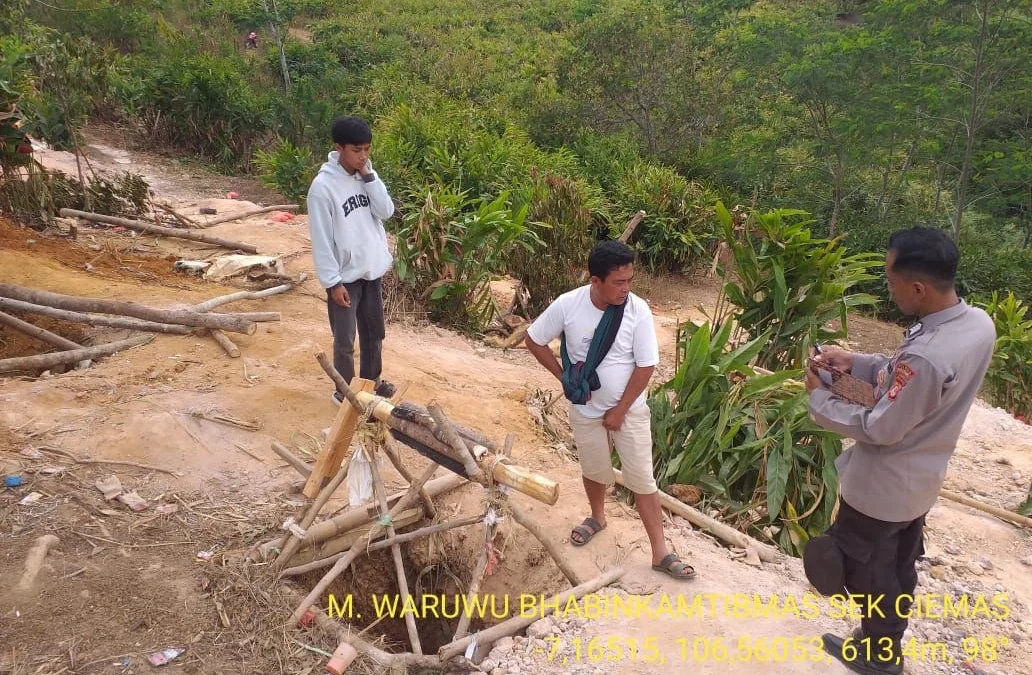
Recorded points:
(360, 480)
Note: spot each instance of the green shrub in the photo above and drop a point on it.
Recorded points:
(448, 249)
(678, 228)
(745, 439)
(287, 169)
(788, 284)
(1009, 379)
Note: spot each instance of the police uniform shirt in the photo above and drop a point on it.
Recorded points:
(922, 396)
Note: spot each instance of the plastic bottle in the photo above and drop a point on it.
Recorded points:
(342, 657)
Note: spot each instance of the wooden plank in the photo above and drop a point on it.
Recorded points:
(336, 447)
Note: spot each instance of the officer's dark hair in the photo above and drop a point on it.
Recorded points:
(608, 256)
(928, 253)
(351, 131)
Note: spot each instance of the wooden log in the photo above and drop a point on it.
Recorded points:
(42, 335)
(399, 564)
(34, 561)
(168, 208)
(630, 227)
(356, 517)
(95, 320)
(345, 541)
(518, 478)
(293, 541)
(342, 564)
(209, 305)
(336, 446)
(1009, 516)
(387, 662)
(517, 623)
(156, 229)
(224, 342)
(530, 525)
(80, 304)
(330, 550)
(451, 437)
(248, 214)
(467, 433)
(725, 533)
(257, 317)
(42, 361)
(293, 460)
(392, 455)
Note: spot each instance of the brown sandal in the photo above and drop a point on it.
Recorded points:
(586, 531)
(673, 566)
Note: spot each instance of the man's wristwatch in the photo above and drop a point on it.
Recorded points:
(369, 177)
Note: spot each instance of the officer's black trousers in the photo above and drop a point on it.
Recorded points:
(880, 560)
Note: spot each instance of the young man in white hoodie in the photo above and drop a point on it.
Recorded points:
(347, 204)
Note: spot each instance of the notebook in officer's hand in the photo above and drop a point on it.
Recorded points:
(845, 386)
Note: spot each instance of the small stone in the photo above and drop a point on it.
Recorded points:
(951, 549)
(986, 564)
(504, 644)
(487, 665)
(976, 569)
(1003, 460)
(938, 573)
(513, 670)
(497, 671)
(541, 628)
(1027, 562)
(180, 367)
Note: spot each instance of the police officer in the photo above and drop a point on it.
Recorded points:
(891, 476)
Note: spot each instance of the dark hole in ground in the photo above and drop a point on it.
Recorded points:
(373, 576)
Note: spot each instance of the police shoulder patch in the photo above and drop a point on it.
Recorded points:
(902, 374)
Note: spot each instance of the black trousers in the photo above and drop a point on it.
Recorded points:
(364, 316)
(880, 560)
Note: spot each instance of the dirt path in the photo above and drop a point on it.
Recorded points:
(123, 583)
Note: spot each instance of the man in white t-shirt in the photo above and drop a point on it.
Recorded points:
(615, 413)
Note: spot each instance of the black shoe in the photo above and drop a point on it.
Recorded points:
(857, 662)
(338, 397)
(385, 389)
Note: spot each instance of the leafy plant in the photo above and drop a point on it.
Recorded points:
(745, 439)
(287, 169)
(1009, 379)
(449, 249)
(788, 284)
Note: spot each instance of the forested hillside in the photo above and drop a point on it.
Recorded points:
(869, 115)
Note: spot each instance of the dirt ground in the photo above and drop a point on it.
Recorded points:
(123, 584)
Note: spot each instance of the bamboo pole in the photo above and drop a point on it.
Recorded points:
(344, 633)
(517, 623)
(95, 320)
(474, 586)
(42, 361)
(293, 541)
(532, 526)
(518, 478)
(399, 564)
(349, 557)
(1010, 516)
(157, 229)
(293, 460)
(247, 214)
(80, 304)
(630, 227)
(723, 532)
(400, 539)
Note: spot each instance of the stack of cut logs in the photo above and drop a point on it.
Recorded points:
(119, 314)
(336, 542)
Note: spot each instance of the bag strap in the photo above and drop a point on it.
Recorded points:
(601, 341)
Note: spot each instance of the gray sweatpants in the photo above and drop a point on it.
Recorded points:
(366, 315)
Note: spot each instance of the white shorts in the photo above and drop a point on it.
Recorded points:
(633, 442)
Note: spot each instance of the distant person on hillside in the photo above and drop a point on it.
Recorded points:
(891, 477)
(609, 351)
(347, 204)
(252, 41)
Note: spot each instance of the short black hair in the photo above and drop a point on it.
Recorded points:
(926, 252)
(608, 256)
(351, 131)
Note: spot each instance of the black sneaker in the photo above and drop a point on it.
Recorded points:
(385, 389)
(833, 645)
(338, 397)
